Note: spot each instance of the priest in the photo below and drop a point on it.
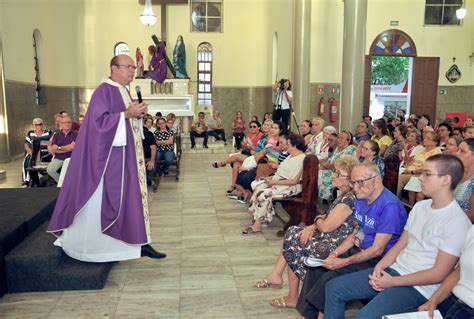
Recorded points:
(101, 214)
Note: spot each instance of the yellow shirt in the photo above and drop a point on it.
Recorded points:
(384, 141)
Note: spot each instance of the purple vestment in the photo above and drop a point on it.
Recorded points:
(122, 215)
(158, 67)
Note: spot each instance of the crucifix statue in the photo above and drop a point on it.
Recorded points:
(164, 5)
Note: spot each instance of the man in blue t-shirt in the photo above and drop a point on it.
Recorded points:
(381, 218)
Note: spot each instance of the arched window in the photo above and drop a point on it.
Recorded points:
(393, 42)
(121, 48)
(37, 55)
(204, 71)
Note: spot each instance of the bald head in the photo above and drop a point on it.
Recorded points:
(122, 69)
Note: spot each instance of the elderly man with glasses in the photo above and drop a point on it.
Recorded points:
(61, 145)
(101, 214)
(381, 218)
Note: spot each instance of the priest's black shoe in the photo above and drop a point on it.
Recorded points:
(148, 251)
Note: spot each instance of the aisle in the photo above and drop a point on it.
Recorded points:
(208, 272)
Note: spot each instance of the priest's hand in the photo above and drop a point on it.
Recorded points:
(136, 109)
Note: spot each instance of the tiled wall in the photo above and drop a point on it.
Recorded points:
(22, 108)
(457, 99)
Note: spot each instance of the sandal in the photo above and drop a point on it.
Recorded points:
(280, 303)
(265, 284)
(230, 190)
(250, 231)
(218, 164)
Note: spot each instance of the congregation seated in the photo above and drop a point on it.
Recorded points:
(414, 167)
(344, 147)
(149, 149)
(452, 146)
(317, 137)
(285, 182)
(238, 129)
(246, 178)
(362, 133)
(33, 148)
(254, 143)
(305, 130)
(317, 240)
(165, 155)
(369, 153)
(463, 193)
(199, 128)
(380, 215)
(323, 149)
(173, 124)
(430, 246)
(61, 146)
(455, 297)
(396, 147)
(381, 135)
(216, 128)
(468, 132)
(381, 218)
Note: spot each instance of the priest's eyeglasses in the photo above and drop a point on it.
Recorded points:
(128, 66)
(360, 182)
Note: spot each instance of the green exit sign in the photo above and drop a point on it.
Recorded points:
(443, 92)
(394, 23)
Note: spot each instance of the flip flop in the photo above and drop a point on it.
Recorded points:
(250, 231)
(265, 284)
(280, 303)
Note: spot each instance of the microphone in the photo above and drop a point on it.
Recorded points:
(138, 89)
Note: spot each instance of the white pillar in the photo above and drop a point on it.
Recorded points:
(301, 59)
(351, 109)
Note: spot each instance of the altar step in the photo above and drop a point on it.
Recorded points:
(214, 146)
(37, 265)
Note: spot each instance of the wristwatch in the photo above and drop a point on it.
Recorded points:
(59, 148)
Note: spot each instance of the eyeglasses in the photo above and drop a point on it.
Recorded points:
(253, 126)
(360, 182)
(339, 174)
(38, 124)
(427, 173)
(128, 66)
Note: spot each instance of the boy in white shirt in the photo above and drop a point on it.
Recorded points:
(425, 254)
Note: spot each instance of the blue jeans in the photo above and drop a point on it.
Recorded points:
(193, 136)
(149, 173)
(167, 157)
(356, 286)
(453, 308)
(219, 134)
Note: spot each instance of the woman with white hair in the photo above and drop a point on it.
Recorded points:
(321, 149)
(32, 146)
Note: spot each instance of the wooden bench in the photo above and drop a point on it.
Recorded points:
(392, 165)
(302, 207)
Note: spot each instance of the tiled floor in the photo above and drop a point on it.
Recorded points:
(209, 269)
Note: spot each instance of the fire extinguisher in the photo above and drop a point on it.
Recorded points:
(321, 106)
(332, 109)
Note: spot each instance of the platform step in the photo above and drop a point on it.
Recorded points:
(37, 265)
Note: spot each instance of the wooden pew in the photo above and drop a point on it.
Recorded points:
(303, 207)
(392, 165)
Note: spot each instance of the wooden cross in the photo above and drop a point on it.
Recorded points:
(164, 5)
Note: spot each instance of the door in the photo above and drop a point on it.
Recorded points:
(425, 86)
(367, 83)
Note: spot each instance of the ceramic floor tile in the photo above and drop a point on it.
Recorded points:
(80, 304)
(209, 269)
(156, 304)
(211, 303)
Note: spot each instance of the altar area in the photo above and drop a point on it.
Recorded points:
(171, 96)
